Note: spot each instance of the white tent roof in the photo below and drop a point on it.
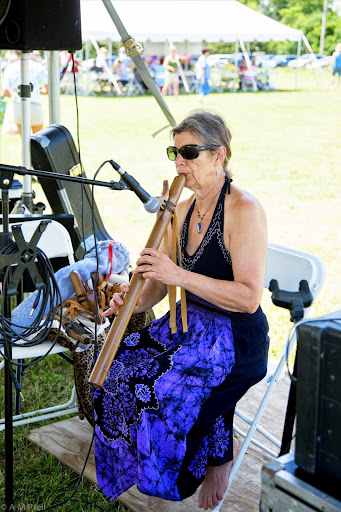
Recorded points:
(194, 21)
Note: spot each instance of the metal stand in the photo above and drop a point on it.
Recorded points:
(23, 171)
(4, 240)
(6, 180)
(289, 416)
(25, 90)
(295, 302)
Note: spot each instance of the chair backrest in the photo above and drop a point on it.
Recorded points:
(290, 266)
(54, 242)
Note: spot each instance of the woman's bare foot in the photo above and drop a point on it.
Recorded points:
(216, 482)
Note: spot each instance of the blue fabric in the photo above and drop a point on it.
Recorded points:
(151, 399)
(204, 88)
(337, 63)
(157, 419)
(120, 263)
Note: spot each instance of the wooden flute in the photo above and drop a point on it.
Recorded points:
(117, 330)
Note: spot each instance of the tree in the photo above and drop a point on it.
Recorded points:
(305, 15)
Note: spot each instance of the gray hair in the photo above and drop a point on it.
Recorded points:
(210, 129)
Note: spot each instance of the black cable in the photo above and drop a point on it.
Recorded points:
(70, 498)
(79, 147)
(79, 479)
(16, 335)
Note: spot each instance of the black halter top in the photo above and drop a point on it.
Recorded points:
(211, 259)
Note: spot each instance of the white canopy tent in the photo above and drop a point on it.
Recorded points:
(186, 24)
(150, 21)
(217, 20)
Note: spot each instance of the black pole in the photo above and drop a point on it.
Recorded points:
(289, 416)
(9, 500)
(8, 430)
(6, 179)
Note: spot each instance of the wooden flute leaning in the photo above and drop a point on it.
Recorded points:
(117, 330)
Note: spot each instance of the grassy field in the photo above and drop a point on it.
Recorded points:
(286, 150)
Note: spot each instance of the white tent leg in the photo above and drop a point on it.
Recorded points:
(108, 70)
(181, 71)
(299, 45)
(54, 87)
(236, 68)
(26, 130)
(248, 64)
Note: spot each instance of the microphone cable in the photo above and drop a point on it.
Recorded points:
(47, 298)
(79, 478)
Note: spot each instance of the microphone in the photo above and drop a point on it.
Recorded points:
(151, 204)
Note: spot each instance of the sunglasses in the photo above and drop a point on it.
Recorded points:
(188, 152)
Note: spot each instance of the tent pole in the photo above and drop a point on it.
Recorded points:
(182, 73)
(236, 68)
(299, 45)
(54, 86)
(248, 65)
(108, 70)
(132, 50)
(26, 128)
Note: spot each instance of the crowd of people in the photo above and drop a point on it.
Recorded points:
(120, 75)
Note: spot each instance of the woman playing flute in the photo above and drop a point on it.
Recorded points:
(164, 417)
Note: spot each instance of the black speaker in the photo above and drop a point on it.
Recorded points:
(318, 440)
(40, 25)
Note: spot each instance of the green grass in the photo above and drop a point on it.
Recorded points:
(286, 150)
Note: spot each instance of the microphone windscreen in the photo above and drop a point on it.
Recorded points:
(152, 205)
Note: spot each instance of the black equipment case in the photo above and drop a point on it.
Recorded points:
(286, 487)
(318, 439)
(53, 149)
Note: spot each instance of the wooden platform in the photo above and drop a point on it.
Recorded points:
(69, 441)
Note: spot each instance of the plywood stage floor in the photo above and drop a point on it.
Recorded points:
(69, 441)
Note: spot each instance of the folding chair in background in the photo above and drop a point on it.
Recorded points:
(295, 279)
(55, 242)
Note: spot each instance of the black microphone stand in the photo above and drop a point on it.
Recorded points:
(5, 184)
(6, 180)
(6, 170)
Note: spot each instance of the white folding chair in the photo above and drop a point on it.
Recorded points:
(288, 266)
(55, 242)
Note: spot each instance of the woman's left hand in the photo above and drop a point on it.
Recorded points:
(156, 265)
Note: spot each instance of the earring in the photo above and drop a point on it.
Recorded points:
(216, 172)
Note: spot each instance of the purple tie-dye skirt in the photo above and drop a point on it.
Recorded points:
(166, 407)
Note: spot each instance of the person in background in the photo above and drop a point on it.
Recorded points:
(242, 67)
(335, 66)
(121, 67)
(164, 416)
(100, 61)
(38, 78)
(63, 62)
(203, 74)
(171, 72)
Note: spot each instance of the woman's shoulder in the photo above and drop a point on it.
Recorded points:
(241, 203)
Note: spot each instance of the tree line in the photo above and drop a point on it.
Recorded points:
(305, 15)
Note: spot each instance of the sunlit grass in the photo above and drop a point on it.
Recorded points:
(286, 150)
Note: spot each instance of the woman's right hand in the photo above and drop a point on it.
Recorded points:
(116, 301)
